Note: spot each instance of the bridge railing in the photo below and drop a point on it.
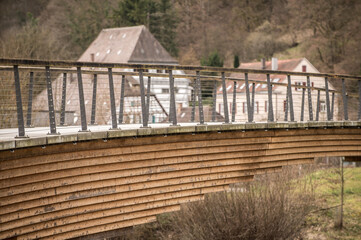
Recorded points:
(148, 93)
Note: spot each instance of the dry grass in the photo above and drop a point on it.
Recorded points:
(272, 207)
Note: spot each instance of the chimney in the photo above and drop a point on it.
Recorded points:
(92, 57)
(263, 61)
(274, 64)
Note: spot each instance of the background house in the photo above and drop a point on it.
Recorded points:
(121, 45)
(278, 92)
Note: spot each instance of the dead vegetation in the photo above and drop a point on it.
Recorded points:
(272, 207)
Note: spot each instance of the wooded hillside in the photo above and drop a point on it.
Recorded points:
(327, 32)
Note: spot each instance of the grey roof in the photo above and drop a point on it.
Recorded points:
(127, 45)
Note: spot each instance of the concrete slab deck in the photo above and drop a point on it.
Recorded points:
(40, 136)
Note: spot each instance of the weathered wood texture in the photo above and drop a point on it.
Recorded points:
(66, 191)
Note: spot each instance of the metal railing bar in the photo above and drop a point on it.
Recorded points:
(41, 63)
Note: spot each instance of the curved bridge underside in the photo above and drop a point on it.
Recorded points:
(71, 190)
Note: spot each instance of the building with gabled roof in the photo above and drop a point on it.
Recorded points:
(278, 92)
(126, 45)
(121, 45)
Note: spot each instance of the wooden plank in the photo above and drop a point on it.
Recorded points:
(52, 205)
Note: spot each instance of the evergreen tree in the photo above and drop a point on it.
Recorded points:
(213, 60)
(236, 61)
(157, 15)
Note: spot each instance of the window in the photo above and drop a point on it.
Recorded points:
(255, 108)
(159, 71)
(165, 90)
(304, 68)
(284, 105)
(299, 84)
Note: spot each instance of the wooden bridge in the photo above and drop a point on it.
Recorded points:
(57, 182)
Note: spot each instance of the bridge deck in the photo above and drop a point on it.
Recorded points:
(70, 190)
(39, 136)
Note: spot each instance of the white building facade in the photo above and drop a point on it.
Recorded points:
(279, 93)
